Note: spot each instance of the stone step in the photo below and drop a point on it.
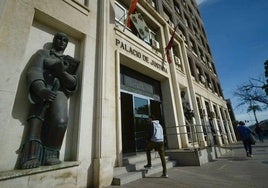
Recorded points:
(141, 156)
(158, 168)
(136, 158)
(135, 171)
(136, 163)
(128, 177)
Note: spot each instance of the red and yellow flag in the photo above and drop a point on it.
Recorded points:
(131, 11)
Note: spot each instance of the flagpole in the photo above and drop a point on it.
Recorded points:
(170, 44)
(125, 25)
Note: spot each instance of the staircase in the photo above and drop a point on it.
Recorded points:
(133, 168)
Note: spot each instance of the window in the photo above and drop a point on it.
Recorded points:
(177, 58)
(213, 85)
(120, 13)
(182, 32)
(193, 46)
(151, 2)
(177, 8)
(208, 81)
(152, 38)
(83, 2)
(80, 5)
(192, 68)
(186, 20)
(168, 17)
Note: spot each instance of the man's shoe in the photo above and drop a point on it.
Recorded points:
(164, 176)
(148, 166)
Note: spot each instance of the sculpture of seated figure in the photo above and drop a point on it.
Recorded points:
(51, 80)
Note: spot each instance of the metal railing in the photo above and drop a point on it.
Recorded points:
(197, 134)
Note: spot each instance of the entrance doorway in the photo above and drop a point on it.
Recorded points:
(135, 111)
(140, 97)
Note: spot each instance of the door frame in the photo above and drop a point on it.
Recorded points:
(149, 99)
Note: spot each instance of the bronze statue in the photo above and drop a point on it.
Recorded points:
(51, 80)
(188, 113)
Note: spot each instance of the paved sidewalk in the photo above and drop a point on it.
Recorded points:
(232, 170)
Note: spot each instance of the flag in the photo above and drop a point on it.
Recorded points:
(168, 54)
(170, 44)
(130, 11)
(140, 25)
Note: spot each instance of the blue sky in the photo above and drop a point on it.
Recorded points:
(237, 32)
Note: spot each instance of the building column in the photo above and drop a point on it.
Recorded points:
(212, 116)
(179, 140)
(221, 124)
(192, 95)
(105, 113)
(231, 131)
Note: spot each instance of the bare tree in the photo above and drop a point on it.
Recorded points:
(252, 95)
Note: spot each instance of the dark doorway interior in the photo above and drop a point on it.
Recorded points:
(155, 108)
(127, 121)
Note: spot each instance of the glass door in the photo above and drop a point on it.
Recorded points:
(135, 111)
(141, 114)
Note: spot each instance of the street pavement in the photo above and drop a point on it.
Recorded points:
(232, 170)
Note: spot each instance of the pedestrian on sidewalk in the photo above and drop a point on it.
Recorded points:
(244, 133)
(155, 140)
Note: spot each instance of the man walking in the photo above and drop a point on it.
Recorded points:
(244, 133)
(156, 141)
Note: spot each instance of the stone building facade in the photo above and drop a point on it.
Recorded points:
(123, 78)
